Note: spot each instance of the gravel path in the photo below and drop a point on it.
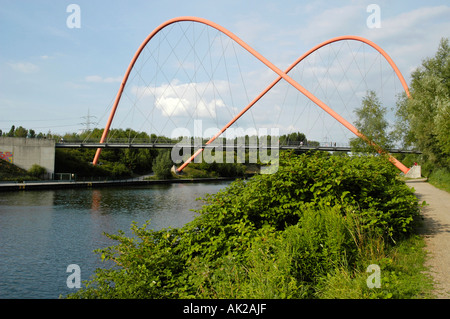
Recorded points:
(436, 230)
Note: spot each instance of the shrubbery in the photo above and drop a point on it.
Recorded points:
(273, 236)
(162, 165)
(37, 170)
(11, 172)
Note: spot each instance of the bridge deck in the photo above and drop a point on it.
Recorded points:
(217, 147)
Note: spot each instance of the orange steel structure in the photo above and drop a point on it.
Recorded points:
(281, 75)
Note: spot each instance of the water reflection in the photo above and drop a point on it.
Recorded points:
(42, 232)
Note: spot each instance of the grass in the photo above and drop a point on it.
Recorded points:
(188, 172)
(440, 178)
(191, 172)
(11, 172)
(194, 171)
(402, 275)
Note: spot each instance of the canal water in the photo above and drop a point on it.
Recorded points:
(43, 232)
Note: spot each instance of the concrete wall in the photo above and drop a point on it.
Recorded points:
(24, 152)
(414, 172)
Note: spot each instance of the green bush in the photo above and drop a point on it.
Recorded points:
(77, 162)
(273, 236)
(162, 165)
(118, 170)
(440, 177)
(37, 170)
(286, 264)
(11, 172)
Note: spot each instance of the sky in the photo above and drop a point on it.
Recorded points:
(52, 74)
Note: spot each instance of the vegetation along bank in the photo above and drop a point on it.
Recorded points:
(308, 231)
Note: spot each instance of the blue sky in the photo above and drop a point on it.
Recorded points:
(51, 75)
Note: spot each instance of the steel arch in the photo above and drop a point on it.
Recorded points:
(279, 72)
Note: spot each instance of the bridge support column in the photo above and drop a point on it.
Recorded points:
(414, 172)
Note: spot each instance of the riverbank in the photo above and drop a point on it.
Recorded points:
(45, 185)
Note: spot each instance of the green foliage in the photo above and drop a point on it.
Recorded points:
(120, 163)
(78, 162)
(401, 275)
(293, 138)
(162, 165)
(11, 172)
(440, 178)
(117, 170)
(114, 163)
(19, 132)
(424, 118)
(372, 123)
(218, 169)
(273, 236)
(37, 170)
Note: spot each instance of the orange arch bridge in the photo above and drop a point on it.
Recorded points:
(281, 75)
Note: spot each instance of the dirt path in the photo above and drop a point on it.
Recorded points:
(436, 230)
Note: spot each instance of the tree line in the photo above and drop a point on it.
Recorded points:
(125, 163)
(422, 120)
(21, 132)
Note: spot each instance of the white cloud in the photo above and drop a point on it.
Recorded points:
(410, 28)
(99, 79)
(24, 67)
(416, 19)
(185, 99)
(408, 36)
(411, 36)
(333, 22)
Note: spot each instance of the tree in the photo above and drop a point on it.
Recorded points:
(119, 170)
(162, 165)
(11, 131)
(372, 123)
(295, 138)
(425, 116)
(21, 132)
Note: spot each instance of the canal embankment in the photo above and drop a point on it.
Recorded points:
(45, 185)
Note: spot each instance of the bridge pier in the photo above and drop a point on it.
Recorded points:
(414, 172)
